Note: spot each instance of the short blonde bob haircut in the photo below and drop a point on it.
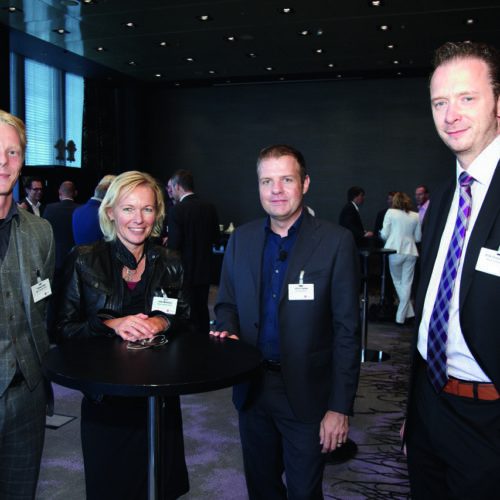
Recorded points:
(121, 186)
(13, 121)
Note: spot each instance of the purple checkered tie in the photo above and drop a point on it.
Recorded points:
(438, 325)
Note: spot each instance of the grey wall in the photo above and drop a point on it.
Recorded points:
(376, 133)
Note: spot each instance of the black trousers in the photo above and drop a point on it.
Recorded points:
(274, 441)
(453, 445)
(115, 450)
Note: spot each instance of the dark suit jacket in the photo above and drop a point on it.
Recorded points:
(350, 219)
(479, 292)
(60, 216)
(319, 339)
(29, 208)
(193, 228)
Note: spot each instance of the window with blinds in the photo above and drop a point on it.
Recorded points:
(50, 101)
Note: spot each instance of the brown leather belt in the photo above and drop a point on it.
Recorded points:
(474, 390)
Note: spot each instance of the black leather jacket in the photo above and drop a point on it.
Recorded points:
(91, 288)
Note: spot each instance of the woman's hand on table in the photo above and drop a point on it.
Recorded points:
(223, 335)
(137, 327)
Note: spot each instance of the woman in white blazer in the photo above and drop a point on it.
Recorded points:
(401, 232)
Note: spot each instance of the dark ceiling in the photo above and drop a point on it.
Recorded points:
(344, 38)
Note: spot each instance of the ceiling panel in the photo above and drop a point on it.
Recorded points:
(346, 31)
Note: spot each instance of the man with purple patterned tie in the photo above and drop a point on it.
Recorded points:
(452, 430)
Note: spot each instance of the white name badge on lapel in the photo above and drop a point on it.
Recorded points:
(41, 290)
(165, 305)
(301, 292)
(489, 262)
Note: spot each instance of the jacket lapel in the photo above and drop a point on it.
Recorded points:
(489, 213)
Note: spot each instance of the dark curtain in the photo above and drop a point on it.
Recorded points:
(99, 127)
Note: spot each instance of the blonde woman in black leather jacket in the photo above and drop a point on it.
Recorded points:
(108, 289)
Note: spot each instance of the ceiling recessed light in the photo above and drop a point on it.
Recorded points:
(212, 72)
(390, 46)
(269, 68)
(384, 27)
(304, 33)
(230, 39)
(319, 51)
(132, 63)
(189, 59)
(101, 49)
(129, 25)
(61, 31)
(158, 75)
(88, 2)
(163, 44)
(204, 18)
(395, 61)
(470, 21)
(252, 55)
(375, 3)
(330, 65)
(286, 10)
(12, 9)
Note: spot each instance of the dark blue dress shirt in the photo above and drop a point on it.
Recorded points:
(277, 251)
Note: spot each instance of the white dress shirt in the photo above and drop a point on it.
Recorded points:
(461, 363)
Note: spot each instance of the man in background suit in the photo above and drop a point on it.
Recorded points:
(289, 285)
(193, 229)
(26, 257)
(350, 218)
(452, 431)
(86, 227)
(34, 192)
(60, 216)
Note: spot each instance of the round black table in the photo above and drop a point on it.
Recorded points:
(189, 363)
(371, 354)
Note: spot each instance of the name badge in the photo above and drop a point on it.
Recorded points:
(165, 305)
(41, 290)
(488, 262)
(301, 292)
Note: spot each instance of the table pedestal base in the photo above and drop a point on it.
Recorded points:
(340, 455)
(373, 356)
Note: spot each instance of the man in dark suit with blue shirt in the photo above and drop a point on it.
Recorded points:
(289, 285)
(452, 428)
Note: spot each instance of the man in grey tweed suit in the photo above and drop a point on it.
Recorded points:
(27, 259)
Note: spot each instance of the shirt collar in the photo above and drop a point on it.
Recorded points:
(483, 167)
(11, 214)
(293, 228)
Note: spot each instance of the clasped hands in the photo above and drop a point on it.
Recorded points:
(137, 327)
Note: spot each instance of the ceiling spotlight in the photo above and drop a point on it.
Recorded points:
(163, 44)
(158, 75)
(132, 63)
(101, 49)
(252, 55)
(269, 68)
(304, 33)
(12, 9)
(395, 61)
(286, 10)
(129, 25)
(384, 27)
(230, 39)
(204, 18)
(61, 31)
(189, 59)
(375, 3)
(390, 46)
(319, 51)
(470, 21)
(88, 2)
(212, 72)
(330, 65)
